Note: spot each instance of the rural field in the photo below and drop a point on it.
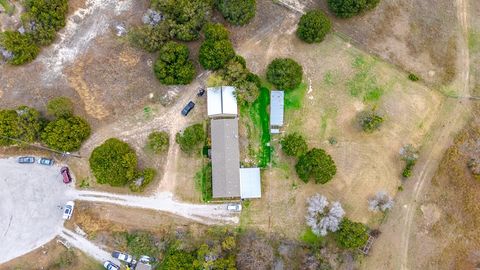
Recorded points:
(413, 63)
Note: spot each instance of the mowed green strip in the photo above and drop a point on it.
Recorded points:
(261, 120)
(294, 98)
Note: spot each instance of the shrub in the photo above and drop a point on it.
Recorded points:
(237, 12)
(43, 18)
(191, 138)
(143, 179)
(173, 66)
(412, 77)
(184, 17)
(215, 54)
(66, 134)
(148, 37)
(60, 107)
(24, 124)
(215, 32)
(381, 202)
(369, 121)
(316, 164)
(284, 73)
(22, 47)
(141, 243)
(294, 145)
(313, 26)
(203, 182)
(114, 163)
(347, 8)
(158, 142)
(351, 234)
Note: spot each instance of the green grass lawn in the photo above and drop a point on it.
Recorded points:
(203, 182)
(294, 98)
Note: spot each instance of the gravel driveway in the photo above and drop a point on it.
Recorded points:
(30, 196)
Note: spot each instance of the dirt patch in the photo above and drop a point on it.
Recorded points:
(52, 255)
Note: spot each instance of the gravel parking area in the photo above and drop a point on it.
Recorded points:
(31, 197)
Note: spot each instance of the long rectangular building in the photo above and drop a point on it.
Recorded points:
(225, 158)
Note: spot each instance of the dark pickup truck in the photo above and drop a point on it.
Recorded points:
(188, 108)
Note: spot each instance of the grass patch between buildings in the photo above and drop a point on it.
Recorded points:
(203, 182)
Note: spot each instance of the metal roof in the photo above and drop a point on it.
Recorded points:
(276, 108)
(225, 158)
(250, 185)
(221, 101)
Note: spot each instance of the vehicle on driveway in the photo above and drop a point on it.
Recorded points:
(65, 172)
(188, 108)
(68, 211)
(234, 207)
(24, 160)
(201, 92)
(122, 256)
(110, 266)
(46, 161)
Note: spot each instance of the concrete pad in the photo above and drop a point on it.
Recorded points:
(30, 199)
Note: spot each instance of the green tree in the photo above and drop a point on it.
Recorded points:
(294, 144)
(351, 234)
(177, 259)
(350, 8)
(66, 134)
(60, 107)
(215, 54)
(316, 164)
(114, 163)
(184, 17)
(150, 38)
(146, 177)
(173, 66)
(9, 127)
(237, 12)
(285, 73)
(369, 121)
(215, 32)
(246, 83)
(22, 47)
(44, 18)
(313, 26)
(191, 138)
(158, 142)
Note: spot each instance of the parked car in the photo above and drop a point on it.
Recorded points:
(26, 160)
(65, 172)
(67, 213)
(46, 161)
(235, 207)
(188, 108)
(201, 92)
(110, 266)
(122, 256)
(146, 259)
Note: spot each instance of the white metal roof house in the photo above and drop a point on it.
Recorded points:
(221, 102)
(277, 104)
(250, 184)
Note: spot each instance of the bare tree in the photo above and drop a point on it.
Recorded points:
(409, 153)
(381, 202)
(322, 219)
(152, 17)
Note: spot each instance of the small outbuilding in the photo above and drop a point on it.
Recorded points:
(221, 102)
(277, 106)
(250, 184)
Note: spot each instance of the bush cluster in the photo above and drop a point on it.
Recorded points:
(21, 46)
(350, 8)
(351, 234)
(215, 54)
(144, 178)
(191, 138)
(158, 142)
(313, 26)
(173, 65)
(60, 107)
(24, 124)
(66, 133)
(284, 73)
(316, 164)
(237, 12)
(369, 121)
(149, 37)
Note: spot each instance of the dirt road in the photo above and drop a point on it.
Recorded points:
(202, 213)
(391, 251)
